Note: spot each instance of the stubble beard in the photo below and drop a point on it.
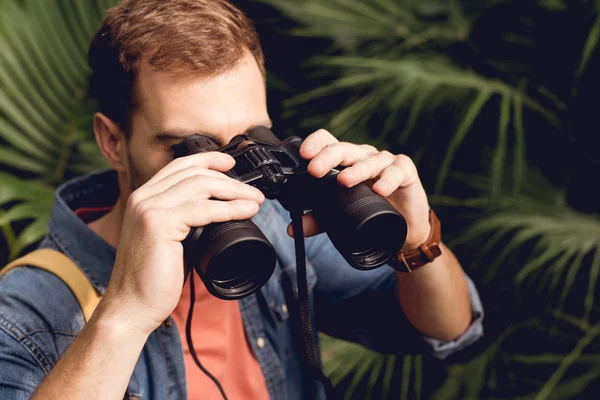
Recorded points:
(134, 176)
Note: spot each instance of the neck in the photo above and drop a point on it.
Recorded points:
(108, 227)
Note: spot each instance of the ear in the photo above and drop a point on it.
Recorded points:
(111, 141)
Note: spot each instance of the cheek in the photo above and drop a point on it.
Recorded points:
(153, 162)
(158, 160)
(147, 161)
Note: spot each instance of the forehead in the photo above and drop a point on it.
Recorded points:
(222, 105)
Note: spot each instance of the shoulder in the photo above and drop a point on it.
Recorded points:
(38, 311)
(38, 300)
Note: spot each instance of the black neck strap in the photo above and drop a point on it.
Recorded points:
(307, 336)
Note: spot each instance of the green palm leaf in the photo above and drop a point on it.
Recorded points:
(386, 70)
(369, 371)
(412, 82)
(549, 387)
(351, 24)
(43, 81)
(33, 201)
(367, 368)
(392, 77)
(475, 379)
(591, 42)
(564, 243)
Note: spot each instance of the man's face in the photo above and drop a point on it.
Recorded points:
(172, 107)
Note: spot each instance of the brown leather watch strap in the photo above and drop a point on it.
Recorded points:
(408, 261)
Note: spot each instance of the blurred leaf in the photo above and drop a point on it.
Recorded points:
(13, 188)
(519, 145)
(548, 358)
(459, 136)
(465, 380)
(34, 203)
(567, 362)
(501, 147)
(470, 376)
(557, 229)
(342, 358)
(571, 388)
(352, 23)
(420, 84)
(43, 73)
(592, 284)
(33, 233)
(15, 159)
(23, 211)
(43, 79)
(405, 377)
(7, 232)
(420, 75)
(388, 376)
(592, 41)
(554, 5)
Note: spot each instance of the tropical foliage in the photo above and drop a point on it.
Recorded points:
(489, 99)
(494, 100)
(45, 134)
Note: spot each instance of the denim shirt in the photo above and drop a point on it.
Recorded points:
(40, 317)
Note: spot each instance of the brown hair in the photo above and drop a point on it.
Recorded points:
(195, 37)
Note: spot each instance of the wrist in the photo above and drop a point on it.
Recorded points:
(115, 318)
(425, 252)
(117, 333)
(417, 238)
(419, 227)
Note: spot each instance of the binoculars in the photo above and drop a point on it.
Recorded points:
(234, 259)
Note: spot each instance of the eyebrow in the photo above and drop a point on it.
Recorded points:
(170, 135)
(180, 134)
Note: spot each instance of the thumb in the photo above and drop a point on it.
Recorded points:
(310, 225)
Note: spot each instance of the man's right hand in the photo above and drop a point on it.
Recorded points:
(148, 274)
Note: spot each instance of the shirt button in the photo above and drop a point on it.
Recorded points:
(284, 308)
(167, 323)
(260, 342)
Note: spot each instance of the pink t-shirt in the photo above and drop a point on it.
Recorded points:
(221, 346)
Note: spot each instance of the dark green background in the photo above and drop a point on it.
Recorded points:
(518, 203)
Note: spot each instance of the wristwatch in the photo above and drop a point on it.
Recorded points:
(408, 261)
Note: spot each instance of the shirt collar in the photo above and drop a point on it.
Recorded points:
(89, 251)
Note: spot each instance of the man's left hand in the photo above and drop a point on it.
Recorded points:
(392, 176)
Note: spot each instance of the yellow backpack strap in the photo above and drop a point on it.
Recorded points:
(60, 265)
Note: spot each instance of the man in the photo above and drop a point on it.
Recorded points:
(164, 70)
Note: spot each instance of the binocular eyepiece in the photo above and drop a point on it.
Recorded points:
(234, 259)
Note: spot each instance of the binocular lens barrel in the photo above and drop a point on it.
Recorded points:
(364, 227)
(234, 259)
